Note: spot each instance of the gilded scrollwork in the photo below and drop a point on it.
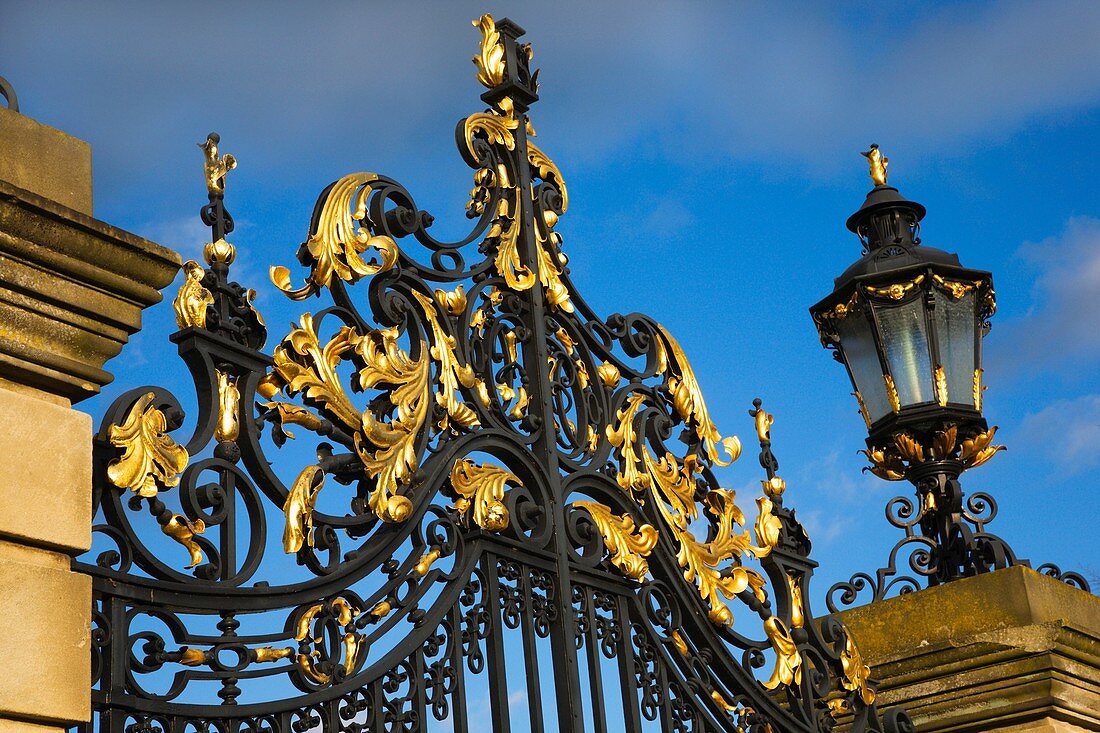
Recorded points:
(315, 666)
(298, 509)
(183, 530)
(490, 60)
(479, 493)
(687, 398)
(894, 461)
(336, 245)
(788, 660)
(627, 543)
(473, 363)
(856, 675)
(150, 458)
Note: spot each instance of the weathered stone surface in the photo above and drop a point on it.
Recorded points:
(71, 292)
(996, 652)
(49, 604)
(46, 476)
(15, 726)
(45, 161)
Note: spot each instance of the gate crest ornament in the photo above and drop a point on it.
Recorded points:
(484, 498)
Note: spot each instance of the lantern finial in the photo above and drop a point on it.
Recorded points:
(878, 162)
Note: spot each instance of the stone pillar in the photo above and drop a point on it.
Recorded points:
(1013, 650)
(71, 293)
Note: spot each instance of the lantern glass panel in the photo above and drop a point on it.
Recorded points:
(905, 340)
(858, 346)
(956, 323)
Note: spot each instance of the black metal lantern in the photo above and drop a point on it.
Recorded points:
(907, 321)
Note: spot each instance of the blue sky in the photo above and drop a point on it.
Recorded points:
(711, 152)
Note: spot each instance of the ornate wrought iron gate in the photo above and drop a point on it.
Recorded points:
(509, 519)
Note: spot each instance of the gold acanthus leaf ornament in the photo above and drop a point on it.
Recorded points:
(298, 509)
(150, 458)
(629, 545)
(490, 60)
(193, 298)
(481, 487)
(302, 365)
(885, 464)
(687, 398)
(504, 235)
(892, 462)
(288, 414)
(979, 449)
(452, 373)
(856, 674)
(388, 450)
(940, 385)
(336, 245)
(702, 562)
(788, 662)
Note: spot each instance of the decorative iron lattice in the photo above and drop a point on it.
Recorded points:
(507, 495)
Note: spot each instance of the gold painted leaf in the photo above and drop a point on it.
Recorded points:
(627, 544)
(482, 486)
(687, 399)
(490, 61)
(337, 244)
(788, 662)
(150, 458)
(943, 444)
(306, 367)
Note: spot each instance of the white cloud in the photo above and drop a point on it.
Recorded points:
(794, 84)
(1069, 430)
(1060, 328)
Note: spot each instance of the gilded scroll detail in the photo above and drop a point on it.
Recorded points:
(183, 530)
(336, 246)
(788, 660)
(310, 631)
(856, 674)
(490, 60)
(298, 509)
(687, 398)
(150, 458)
(628, 544)
(480, 488)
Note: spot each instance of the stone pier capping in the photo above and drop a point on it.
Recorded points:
(72, 289)
(1012, 650)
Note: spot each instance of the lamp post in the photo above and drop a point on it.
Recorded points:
(907, 322)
